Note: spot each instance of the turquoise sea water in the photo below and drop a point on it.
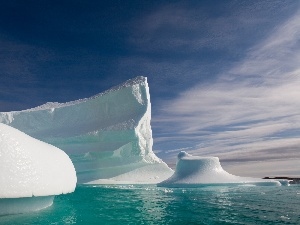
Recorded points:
(145, 204)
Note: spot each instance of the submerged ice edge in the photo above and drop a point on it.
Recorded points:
(10, 206)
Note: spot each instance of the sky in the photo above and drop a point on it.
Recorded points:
(224, 76)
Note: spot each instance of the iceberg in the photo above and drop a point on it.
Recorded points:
(194, 171)
(31, 172)
(10, 206)
(107, 136)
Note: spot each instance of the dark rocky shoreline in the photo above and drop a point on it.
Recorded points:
(292, 180)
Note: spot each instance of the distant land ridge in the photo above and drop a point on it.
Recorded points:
(292, 180)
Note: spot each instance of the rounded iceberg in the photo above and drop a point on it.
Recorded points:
(30, 169)
(194, 171)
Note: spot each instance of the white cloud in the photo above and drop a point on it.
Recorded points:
(251, 112)
(283, 167)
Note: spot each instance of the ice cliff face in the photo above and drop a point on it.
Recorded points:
(107, 136)
(192, 171)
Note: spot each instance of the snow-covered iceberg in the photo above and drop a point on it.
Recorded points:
(194, 171)
(31, 172)
(108, 136)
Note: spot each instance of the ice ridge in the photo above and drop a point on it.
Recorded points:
(107, 136)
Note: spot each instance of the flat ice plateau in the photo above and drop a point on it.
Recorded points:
(31, 172)
(108, 136)
(192, 171)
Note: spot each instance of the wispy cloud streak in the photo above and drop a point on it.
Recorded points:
(250, 112)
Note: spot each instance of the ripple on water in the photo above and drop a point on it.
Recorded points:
(148, 204)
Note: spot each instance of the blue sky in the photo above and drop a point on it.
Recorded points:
(223, 75)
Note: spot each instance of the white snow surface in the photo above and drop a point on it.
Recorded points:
(29, 167)
(107, 136)
(192, 171)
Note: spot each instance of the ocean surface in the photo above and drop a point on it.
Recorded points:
(148, 204)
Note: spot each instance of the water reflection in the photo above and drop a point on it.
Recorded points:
(155, 203)
(142, 204)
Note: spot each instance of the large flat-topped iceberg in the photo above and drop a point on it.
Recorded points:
(107, 136)
(31, 172)
(192, 171)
